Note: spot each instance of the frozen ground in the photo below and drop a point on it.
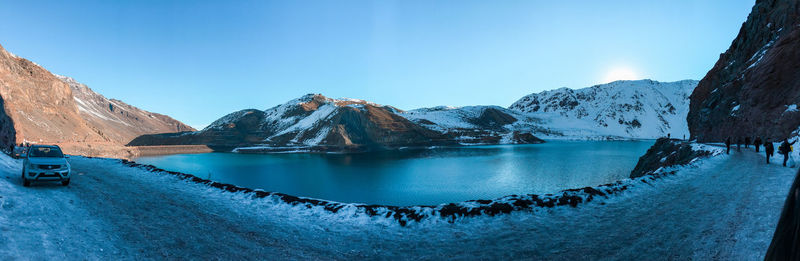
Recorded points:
(725, 208)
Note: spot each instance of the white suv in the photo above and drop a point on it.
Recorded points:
(45, 163)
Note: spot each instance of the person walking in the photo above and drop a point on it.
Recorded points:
(746, 142)
(784, 149)
(728, 145)
(739, 144)
(757, 143)
(769, 149)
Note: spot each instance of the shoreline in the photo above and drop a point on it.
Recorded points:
(170, 150)
(160, 150)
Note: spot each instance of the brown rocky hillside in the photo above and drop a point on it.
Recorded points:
(39, 107)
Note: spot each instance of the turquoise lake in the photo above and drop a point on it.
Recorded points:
(420, 176)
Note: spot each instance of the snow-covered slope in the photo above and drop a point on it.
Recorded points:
(472, 124)
(444, 118)
(620, 109)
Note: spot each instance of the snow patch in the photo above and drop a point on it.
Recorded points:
(760, 53)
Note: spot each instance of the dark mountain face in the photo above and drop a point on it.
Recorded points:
(754, 88)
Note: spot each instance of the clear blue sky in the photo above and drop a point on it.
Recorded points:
(199, 60)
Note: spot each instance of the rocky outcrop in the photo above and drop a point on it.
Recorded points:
(8, 134)
(621, 109)
(754, 88)
(317, 123)
(666, 153)
(39, 107)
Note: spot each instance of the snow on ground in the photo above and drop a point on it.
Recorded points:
(724, 207)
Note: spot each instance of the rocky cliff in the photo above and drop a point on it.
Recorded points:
(317, 123)
(754, 88)
(39, 107)
(620, 109)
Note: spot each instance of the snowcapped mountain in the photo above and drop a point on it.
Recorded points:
(617, 110)
(620, 109)
(317, 123)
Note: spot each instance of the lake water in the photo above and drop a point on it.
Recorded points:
(420, 177)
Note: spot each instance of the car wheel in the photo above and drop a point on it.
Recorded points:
(65, 182)
(26, 182)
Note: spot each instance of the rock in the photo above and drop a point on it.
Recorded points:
(665, 153)
(493, 119)
(754, 85)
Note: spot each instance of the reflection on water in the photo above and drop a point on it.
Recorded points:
(420, 177)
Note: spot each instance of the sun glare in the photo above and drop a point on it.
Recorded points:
(620, 73)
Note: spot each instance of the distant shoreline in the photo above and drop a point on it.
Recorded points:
(171, 149)
(161, 150)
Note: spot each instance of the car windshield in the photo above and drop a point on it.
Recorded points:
(45, 152)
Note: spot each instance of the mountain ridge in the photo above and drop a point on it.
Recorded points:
(640, 109)
(621, 109)
(314, 122)
(41, 107)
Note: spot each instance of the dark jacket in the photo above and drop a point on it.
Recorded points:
(785, 240)
(785, 147)
(757, 141)
(769, 148)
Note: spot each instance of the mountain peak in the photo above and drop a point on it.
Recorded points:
(627, 108)
(313, 101)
